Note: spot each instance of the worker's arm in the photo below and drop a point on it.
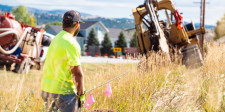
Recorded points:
(79, 78)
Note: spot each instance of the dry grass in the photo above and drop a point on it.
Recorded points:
(157, 86)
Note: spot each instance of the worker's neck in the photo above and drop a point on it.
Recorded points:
(69, 30)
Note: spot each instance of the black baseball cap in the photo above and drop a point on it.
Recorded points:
(72, 16)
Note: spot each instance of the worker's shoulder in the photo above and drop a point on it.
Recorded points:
(65, 39)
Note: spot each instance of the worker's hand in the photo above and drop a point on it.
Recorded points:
(81, 101)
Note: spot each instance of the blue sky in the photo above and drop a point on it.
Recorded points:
(123, 8)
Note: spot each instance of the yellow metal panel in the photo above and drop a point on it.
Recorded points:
(194, 41)
(143, 42)
(174, 35)
(166, 4)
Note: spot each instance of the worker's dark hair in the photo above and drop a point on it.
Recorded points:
(68, 24)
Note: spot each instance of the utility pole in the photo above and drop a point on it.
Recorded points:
(202, 24)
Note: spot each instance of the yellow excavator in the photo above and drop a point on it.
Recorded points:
(163, 35)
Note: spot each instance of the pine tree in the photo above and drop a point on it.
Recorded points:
(121, 42)
(134, 42)
(106, 45)
(92, 39)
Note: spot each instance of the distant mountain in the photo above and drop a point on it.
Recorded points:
(197, 25)
(5, 8)
(125, 23)
(108, 22)
(44, 18)
(48, 16)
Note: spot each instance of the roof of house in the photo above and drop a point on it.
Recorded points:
(87, 24)
(115, 32)
(83, 26)
(58, 28)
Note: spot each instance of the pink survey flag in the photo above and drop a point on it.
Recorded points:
(89, 102)
(108, 91)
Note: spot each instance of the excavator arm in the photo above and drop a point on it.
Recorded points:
(150, 34)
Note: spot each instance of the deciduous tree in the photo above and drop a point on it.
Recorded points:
(220, 28)
(23, 16)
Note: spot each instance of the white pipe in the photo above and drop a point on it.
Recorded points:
(7, 31)
(37, 49)
(17, 45)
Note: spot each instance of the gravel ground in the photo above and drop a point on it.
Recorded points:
(89, 59)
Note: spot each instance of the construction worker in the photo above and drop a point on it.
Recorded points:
(62, 69)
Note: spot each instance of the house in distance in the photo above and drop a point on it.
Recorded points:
(85, 29)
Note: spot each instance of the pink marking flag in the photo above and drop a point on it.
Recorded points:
(108, 91)
(90, 101)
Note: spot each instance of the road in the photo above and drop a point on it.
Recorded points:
(89, 59)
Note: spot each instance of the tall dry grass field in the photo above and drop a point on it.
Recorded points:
(156, 86)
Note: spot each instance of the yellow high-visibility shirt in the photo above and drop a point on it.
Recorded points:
(63, 52)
